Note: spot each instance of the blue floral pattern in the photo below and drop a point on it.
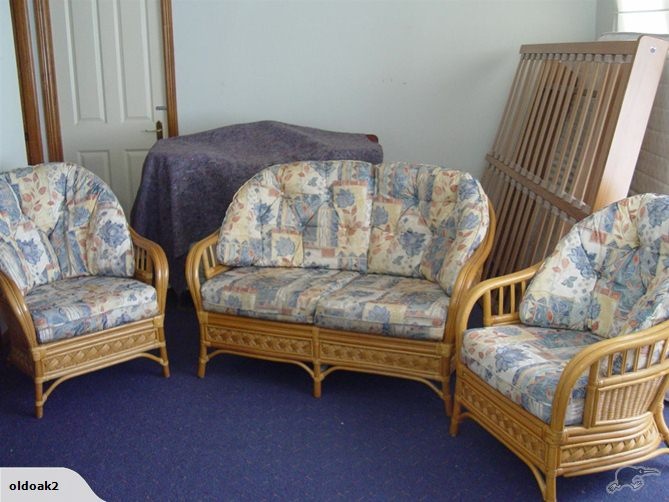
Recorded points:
(427, 221)
(403, 307)
(60, 220)
(604, 275)
(81, 305)
(525, 364)
(280, 294)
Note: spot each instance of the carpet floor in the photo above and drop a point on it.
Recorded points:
(250, 430)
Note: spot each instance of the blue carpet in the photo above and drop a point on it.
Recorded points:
(250, 430)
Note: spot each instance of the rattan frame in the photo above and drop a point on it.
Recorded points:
(623, 417)
(321, 351)
(64, 359)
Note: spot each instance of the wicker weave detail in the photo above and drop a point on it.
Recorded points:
(639, 441)
(628, 401)
(98, 351)
(520, 436)
(335, 352)
(257, 341)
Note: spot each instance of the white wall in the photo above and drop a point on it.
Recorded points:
(12, 145)
(430, 78)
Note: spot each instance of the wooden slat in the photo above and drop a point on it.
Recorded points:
(560, 151)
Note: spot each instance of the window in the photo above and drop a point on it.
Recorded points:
(643, 16)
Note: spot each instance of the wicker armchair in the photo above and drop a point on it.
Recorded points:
(571, 366)
(79, 289)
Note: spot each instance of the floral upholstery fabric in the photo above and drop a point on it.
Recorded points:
(58, 221)
(426, 222)
(525, 363)
(280, 294)
(77, 306)
(304, 214)
(609, 274)
(389, 305)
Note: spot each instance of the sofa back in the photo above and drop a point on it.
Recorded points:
(58, 221)
(413, 220)
(609, 274)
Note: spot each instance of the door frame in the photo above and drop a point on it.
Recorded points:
(28, 87)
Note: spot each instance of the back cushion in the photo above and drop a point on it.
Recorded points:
(60, 220)
(26, 255)
(608, 274)
(303, 214)
(426, 221)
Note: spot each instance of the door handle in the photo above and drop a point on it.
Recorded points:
(158, 130)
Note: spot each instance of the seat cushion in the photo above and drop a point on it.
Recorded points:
(82, 305)
(525, 363)
(396, 306)
(280, 294)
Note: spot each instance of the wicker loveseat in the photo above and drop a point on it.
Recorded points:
(571, 366)
(79, 290)
(343, 265)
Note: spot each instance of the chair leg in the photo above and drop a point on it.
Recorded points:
(166, 364)
(163, 354)
(202, 361)
(39, 399)
(318, 379)
(551, 491)
(455, 416)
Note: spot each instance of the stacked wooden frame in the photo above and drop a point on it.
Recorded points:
(568, 141)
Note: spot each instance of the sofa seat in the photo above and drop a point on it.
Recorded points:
(389, 305)
(525, 364)
(279, 294)
(82, 305)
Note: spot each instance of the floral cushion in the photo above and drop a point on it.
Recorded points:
(81, 305)
(390, 305)
(26, 255)
(525, 364)
(426, 222)
(304, 214)
(609, 274)
(60, 220)
(281, 294)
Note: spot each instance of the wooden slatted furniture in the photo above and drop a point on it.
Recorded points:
(571, 366)
(79, 290)
(343, 265)
(568, 141)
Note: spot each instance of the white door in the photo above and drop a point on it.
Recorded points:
(111, 87)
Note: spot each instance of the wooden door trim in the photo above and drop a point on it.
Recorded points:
(27, 82)
(48, 72)
(25, 65)
(170, 77)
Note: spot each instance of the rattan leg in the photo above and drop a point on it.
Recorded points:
(39, 399)
(455, 415)
(163, 354)
(550, 493)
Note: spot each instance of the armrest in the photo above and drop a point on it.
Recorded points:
(506, 291)
(469, 275)
(637, 367)
(201, 263)
(15, 312)
(151, 265)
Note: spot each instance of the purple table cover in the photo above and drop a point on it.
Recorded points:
(189, 181)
